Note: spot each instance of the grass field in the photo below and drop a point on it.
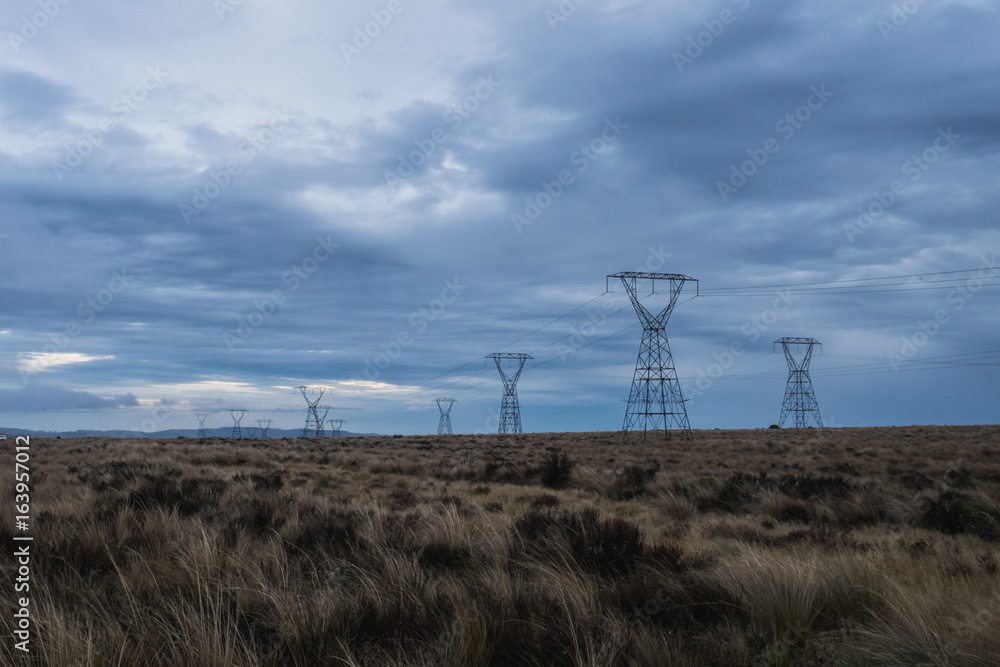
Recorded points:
(861, 546)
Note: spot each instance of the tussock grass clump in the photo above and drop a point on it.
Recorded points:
(606, 545)
(556, 470)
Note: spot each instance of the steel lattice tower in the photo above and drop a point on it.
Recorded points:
(655, 401)
(321, 431)
(510, 411)
(335, 425)
(799, 395)
(237, 414)
(251, 432)
(264, 424)
(312, 418)
(444, 406)
(201, 424)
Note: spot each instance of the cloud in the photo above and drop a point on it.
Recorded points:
(49, 398)
(31, 102)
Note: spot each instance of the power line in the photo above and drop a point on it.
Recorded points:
(818, 291)
(811, 287)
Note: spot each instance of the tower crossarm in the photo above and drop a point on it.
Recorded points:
(638, 275)
(791, 340)
(650, 321)
(444, 404)
(305, 394)
(790, 346)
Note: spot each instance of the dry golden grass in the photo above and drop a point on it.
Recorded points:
(761, 547)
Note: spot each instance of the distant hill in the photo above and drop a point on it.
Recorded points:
(221, 432)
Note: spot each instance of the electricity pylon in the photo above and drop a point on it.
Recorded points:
(655, 400)
(510, 411)
(201, 424)
(321, 431)
(335, 425)
(264, 425)
(312, 419)
(251, 433)
(799, 395)
(237, 414)
(444, 406)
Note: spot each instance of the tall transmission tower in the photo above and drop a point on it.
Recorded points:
(237, 414)
(264, 424)
(444, 406)
(252, 432)
(800, 398)
(201, 424)
(321, 431)
(335, 425)
(510, 411)
(312, 418)
(655, 401)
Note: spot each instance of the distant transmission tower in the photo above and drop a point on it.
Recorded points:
(237, 414)
(510, 411)
(312, 418)
(655, 401)
(264, 424)
(201, 424)
(321, 431)
(444, 406)
(252, 432)
(799, 395)
(335, 425)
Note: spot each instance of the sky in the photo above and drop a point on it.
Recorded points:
(209, 203)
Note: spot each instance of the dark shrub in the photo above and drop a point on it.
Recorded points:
(556, 470)
(402, 498)
(443, 556)
(737, 491)
(187, 497)
(916, 481)
(255, 519)
(200, 494)
(953, 513)
(794, 511)
(959, 478)
(808, 487)
(156, 492)
(545, 500)
(331, 531)
(607, 546)
(113, 475)
(268, 481)
(633, 480)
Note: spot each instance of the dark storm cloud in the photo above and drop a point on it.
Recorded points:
(50, 398)
(31, 102)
